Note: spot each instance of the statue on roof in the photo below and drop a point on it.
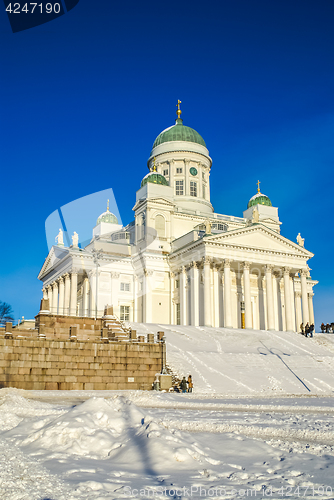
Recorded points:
(60, 238)
(300, 240)
(255, 215)
(208, 226)
(75, 239)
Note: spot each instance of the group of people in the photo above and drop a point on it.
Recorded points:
(308, 330)
(186, 385)
(328, 328)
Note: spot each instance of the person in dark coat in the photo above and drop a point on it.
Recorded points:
(311, 330)
(322, 327)
(183, 385)
(307, 329)
(190, 384)
(327, 328)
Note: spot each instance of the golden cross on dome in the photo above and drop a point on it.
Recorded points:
(154, 166)
(258, 186)
(178, 112)
(108, 206)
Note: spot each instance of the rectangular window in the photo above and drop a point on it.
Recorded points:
(193, 188)
(179, 170)
(177, 284)
(125, 313)
(178, 314)
(125, 287)
(179, 188)
(165, 172)
(204, 192)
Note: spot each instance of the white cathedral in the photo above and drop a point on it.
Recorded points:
(181, 263)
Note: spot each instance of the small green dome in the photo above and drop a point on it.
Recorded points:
(155, 178)
(179, 132)
(259, 199)
(107, 217)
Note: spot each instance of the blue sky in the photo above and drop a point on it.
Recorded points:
(84, 96)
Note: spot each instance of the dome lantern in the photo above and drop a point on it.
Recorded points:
(154, 177)
(107, 217)
(259, 198)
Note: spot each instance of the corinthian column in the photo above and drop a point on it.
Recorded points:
(74, 291)
(194, 291)
(298, 303)
(270, 298)
(172, 289)
(247, 296)
(55, 298)
(50, 297)
(135, 299)
(287, 300)
(86, 296)
(183, 296)
(61, 296)
(227, 294)
(303, 275)
(216, 297)
(67, 294)
(310, 307)
(207, 292)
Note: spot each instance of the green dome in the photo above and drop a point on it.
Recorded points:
(107, 217)
(155, 178)
(259, 199)
(179, 132)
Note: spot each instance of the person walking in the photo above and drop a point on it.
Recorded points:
(327, 328)
(311, 330)
(190, 384)
(322, 327)
(302, 328)
(183, 385)
(307, 329)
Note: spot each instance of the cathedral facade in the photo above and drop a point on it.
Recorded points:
(180, 262)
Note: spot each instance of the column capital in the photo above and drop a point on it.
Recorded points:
(227, 262)
(66, 276)
(55, 284)
(268, 268)
(147, 272)
(194, 264)
(246, 265)
(298, 294)
(172, 274)
(60, 279)
(286, 271)
(303, 272)
(311, 294)
(75, 271)
(206, 259)
(183, 270)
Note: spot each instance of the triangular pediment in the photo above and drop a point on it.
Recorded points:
(56, 254)
(161, 200)
(261, 237)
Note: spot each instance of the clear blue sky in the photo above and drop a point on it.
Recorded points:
(84, 96)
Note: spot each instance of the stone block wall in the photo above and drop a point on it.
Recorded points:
(58, 327)
(52, 364)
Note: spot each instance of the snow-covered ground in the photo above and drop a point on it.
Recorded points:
(235, 361)
(258, 425)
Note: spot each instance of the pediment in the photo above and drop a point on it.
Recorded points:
(259, 237)
(159, 199)
(56, 254)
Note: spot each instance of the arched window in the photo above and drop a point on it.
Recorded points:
(160, 225)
